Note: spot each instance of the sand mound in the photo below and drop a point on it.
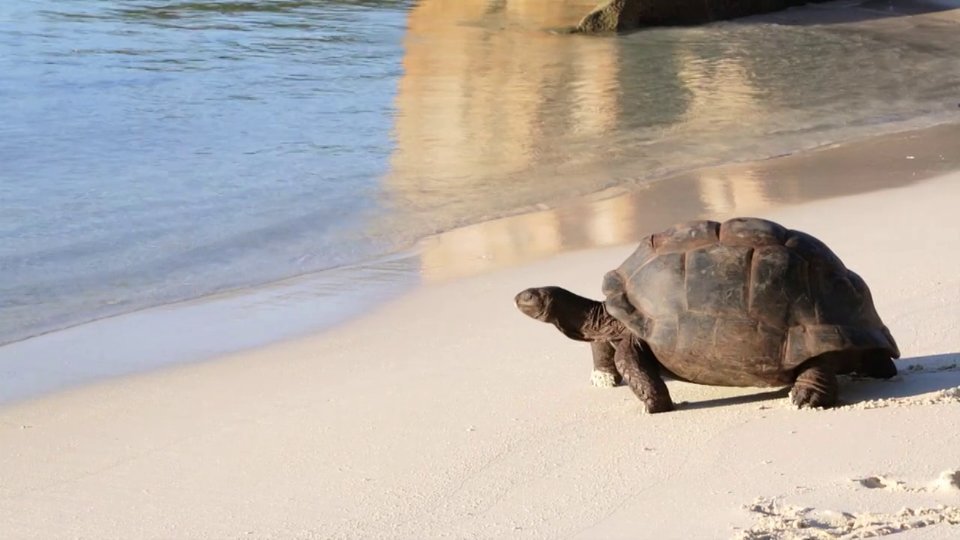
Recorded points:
(941, 397)
(942, 367)
(779, 521)
(948, 481)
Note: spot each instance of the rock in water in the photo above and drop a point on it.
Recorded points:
(620, 15)
(610, 16)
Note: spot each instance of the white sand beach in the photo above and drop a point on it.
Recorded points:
(448, 414)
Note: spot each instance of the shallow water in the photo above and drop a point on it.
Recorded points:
(154, 151)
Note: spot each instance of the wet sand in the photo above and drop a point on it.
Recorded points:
(446, 413)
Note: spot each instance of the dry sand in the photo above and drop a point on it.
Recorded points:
(447, 413)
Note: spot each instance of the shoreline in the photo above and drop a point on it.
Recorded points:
(632, 190)
(446, 412)
(205, 328)
(198, 330)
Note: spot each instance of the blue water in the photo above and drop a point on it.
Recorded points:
(154, 151)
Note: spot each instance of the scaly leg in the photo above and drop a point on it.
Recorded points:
(641, 371)
(816, 385)
(604, 368)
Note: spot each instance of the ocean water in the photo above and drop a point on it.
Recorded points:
(157, 151)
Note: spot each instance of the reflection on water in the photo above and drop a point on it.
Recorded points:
(741, 192)
(713, 193)
(495, 116)
(487, 98)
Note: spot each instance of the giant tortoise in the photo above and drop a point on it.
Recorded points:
(746, 302)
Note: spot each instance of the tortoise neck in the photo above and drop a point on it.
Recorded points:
(600, 325)
(586, 320)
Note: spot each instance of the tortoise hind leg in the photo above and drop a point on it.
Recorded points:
(877, 364)
(816, 385)
(605, 373)
(641, 371)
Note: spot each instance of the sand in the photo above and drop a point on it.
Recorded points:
(448, 414)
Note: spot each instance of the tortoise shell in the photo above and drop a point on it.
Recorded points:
(742, 303)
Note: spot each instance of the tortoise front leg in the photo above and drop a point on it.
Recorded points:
(604, 368)
(641, 371)
(816, 385)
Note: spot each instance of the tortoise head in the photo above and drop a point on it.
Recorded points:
(577, 317)
(542, 303)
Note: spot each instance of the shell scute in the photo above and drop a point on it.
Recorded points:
(777, 285)
(686, 236)
(716, 279)
(657, 288)
(811, 249)
(751, 232)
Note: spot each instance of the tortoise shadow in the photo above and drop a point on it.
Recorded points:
(780, 393)
(918, 375)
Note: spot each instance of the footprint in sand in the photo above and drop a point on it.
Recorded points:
(881, 482)
(947, 481)
(774, 519)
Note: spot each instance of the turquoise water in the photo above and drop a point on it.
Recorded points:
(156, 151)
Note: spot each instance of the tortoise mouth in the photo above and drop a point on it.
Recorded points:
(532, 303)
